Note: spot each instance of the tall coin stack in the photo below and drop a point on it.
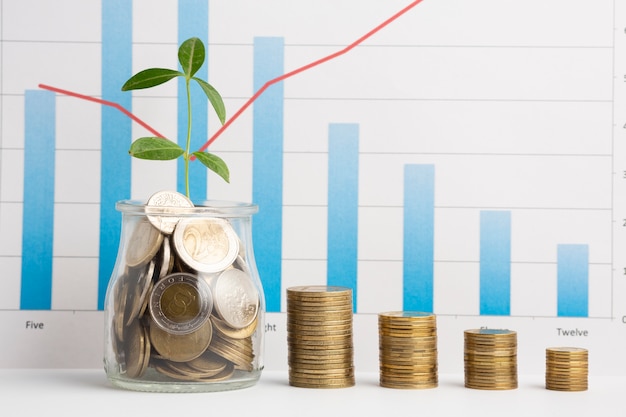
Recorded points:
(490, 359)
(319, 337)
(567, 369)
(407, 349)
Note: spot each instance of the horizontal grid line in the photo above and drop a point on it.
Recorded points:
(369, 45)
(383, 153)
(609, 100)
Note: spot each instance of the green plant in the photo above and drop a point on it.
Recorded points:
(191, 54)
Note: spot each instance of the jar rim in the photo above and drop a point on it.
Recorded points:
(217, 208)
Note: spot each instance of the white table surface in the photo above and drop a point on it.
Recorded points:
(71, 392)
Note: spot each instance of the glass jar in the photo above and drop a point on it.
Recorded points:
(184, 309)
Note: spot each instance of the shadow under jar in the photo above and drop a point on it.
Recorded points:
(184, 309)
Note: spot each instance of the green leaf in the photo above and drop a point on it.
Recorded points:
(214, 163)
(191, 56)
(149, 78)
(214, 97)
(156, 149)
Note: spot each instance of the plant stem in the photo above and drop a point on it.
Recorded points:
(188, 143)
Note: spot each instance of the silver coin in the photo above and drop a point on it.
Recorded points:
(166, 259)
(180, 303)
(206, 244)
(143, 244)
(167, 203)
(236, 298)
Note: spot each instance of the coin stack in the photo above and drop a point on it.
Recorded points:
(319, 337)
(567, 369)
(186, 304)
(407, 349)
(490, 359)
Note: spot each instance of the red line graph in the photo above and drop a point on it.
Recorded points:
(306, 67)
(104, 103)
(258, 93)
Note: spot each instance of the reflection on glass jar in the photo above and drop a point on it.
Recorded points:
(184, 310)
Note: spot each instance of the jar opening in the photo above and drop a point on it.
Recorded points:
(216, 208)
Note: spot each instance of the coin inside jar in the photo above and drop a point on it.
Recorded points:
(144, 243)
(180, 303)
(166, 203)
(236, 298)
(206, 244)
(181, 347)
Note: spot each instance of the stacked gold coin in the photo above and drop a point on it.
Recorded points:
(490, 359)
(319, 337)
(186, 307)
(407, 349)
(567, 369)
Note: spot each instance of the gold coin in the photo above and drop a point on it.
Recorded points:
(319, 331)
(318, 290)
(243, 357)
(120, 305)
(142, 285)
(326, 365)
(222, 327)
(208, 362)
(184, 369)
(493, 387)
(144, 242)
(173, 371)
(304, 382)
(226, 373)
(166, 260)
(181, 347)
(407, 385)
(135, 350)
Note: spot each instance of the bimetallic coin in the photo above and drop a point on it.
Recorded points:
(166, 202)
(181, 303)
(206, 244)
(143, 244)
(236, 298)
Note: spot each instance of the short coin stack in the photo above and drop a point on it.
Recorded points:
(319, 337)
(407, 349)
(567, 369)
(490, 359)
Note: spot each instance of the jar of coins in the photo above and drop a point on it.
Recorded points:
(184, 309)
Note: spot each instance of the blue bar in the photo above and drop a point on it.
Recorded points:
(116, 132)
(573, 280)
(38, 209)
(343, 206)
(419, 237)
(193, 21)
(495, 263)
(267, 169)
